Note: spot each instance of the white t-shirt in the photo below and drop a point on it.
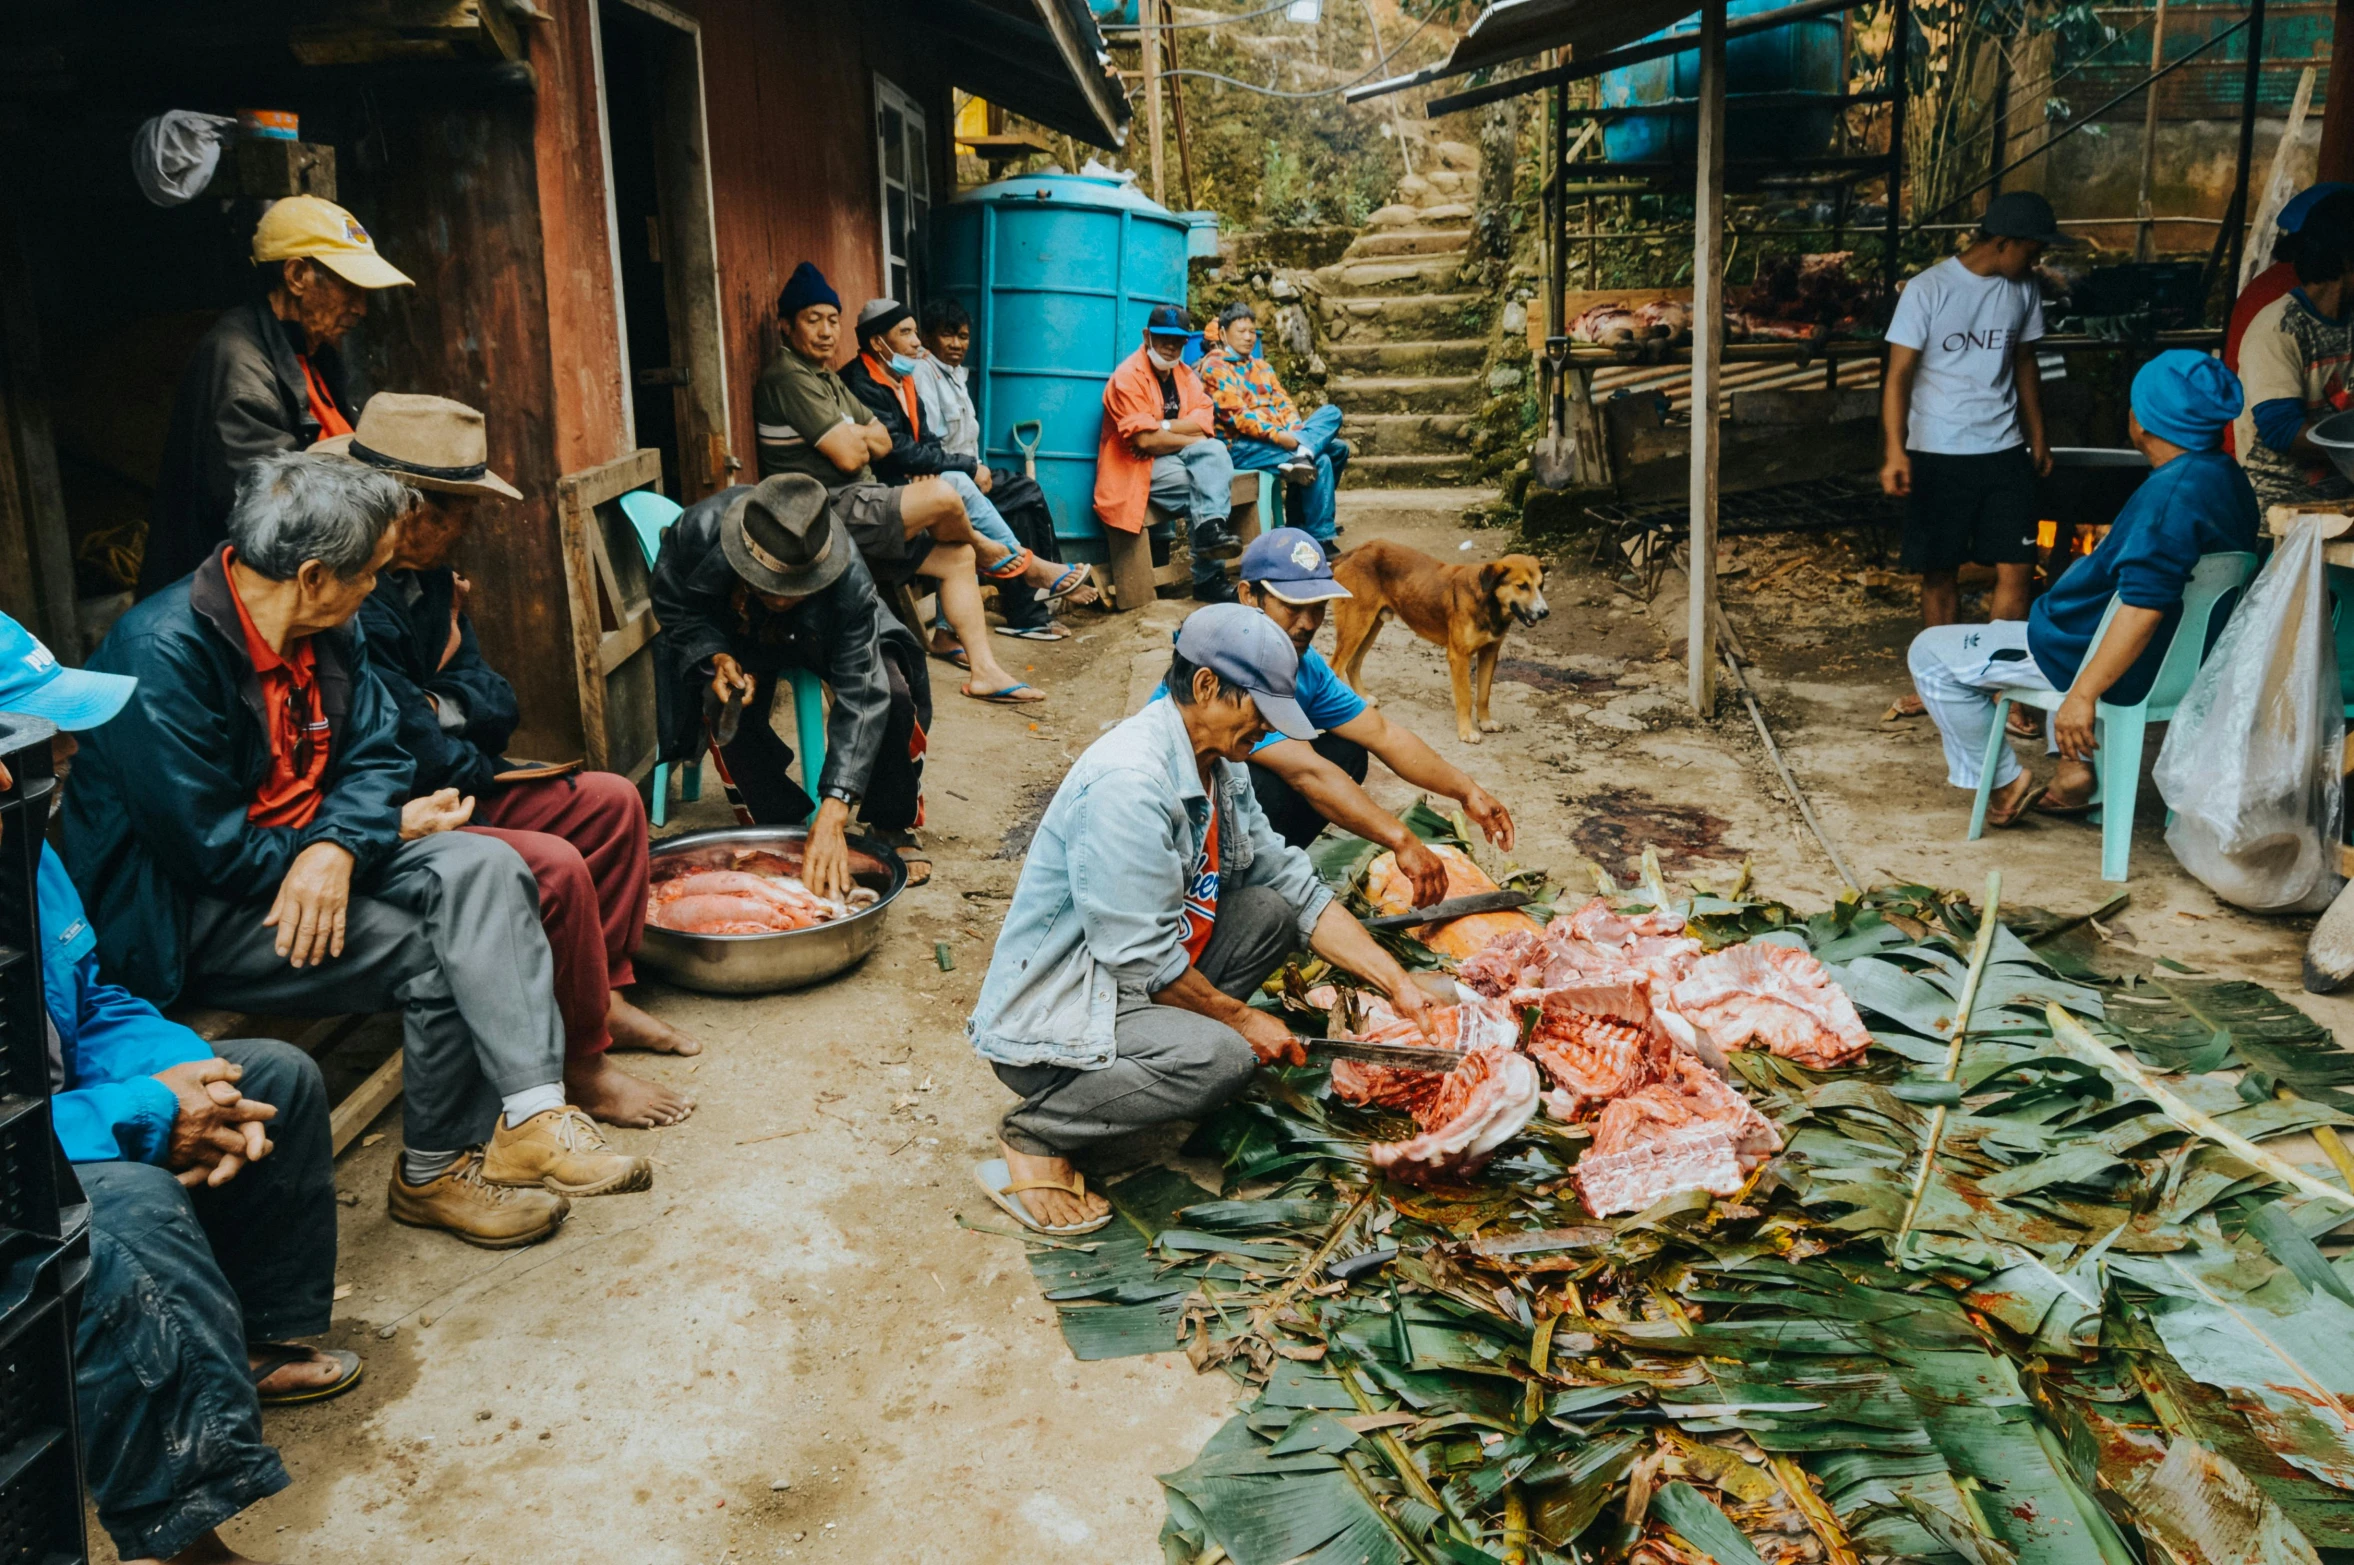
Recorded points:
(1966, 328)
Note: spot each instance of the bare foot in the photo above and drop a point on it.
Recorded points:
(635, 1029)
(2006, 804)
(611, 1094)
(1907, 705)
(2025, 722)
(1055, 1208)
(311, 1374)
(207, 1550)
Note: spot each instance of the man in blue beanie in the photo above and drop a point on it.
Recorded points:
(2195, 502)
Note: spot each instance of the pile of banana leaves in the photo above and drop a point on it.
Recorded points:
(2099, 1335)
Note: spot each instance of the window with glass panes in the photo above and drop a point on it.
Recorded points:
(901, 157)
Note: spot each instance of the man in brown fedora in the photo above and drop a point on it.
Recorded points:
(761, 578)
(582, 834)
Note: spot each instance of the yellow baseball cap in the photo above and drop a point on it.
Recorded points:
(326, 233)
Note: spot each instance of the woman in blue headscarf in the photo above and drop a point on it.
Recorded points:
(2195, 502)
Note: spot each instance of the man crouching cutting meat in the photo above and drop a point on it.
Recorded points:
(1154, 901)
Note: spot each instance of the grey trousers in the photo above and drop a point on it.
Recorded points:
(451, 936)
(1168, 1064)
(1197, 483)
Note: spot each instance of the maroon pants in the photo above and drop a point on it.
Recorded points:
(584, 837)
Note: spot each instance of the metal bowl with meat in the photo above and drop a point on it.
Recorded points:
(719, 939)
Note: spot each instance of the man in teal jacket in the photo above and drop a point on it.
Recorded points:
(211, 1184)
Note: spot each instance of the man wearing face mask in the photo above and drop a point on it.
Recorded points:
(1157, 448)
(270, 376)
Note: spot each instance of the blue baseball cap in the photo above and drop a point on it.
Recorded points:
(33, 681)
(1168, 320)
(1246, 648)
(2300, 206)
(1291, 565)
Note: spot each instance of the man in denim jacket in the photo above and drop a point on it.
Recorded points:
(1154, 901)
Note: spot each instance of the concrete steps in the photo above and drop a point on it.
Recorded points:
(1418, 471)
(1458, 356)
(1410, 274)
(1406, 434)
(1406, 393)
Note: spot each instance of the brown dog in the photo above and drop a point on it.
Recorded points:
(1464, 608)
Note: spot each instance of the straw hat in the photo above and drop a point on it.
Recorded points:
(426, 442)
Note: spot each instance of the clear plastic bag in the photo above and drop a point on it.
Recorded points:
(2250, 764)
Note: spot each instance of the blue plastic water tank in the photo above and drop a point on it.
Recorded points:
(1800, 57)
(1058, 273)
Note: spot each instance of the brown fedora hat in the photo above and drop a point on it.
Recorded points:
(426, 442)
(782, 538)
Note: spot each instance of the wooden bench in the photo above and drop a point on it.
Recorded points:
(312, 1035)
(1129, 577)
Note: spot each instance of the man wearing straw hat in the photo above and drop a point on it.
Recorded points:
(582, 833)
(270, 376)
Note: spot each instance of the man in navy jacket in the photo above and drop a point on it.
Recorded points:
(212, 1192)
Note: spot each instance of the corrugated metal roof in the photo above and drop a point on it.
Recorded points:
(1514, 29)
(1043, 59)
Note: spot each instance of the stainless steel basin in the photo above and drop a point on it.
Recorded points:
(764, 964)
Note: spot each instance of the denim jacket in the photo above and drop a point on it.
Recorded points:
(1095, 916)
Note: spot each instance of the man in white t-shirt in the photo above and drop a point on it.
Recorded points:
(1961, 412)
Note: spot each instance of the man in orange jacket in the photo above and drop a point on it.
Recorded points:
(1156, 446)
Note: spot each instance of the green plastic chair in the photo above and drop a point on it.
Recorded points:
(2341, 593)
(2118, 731)
(651, 515)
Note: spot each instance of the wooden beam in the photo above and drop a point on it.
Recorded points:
(1148, 14)
(1708, 336)
(371, 1098)
(2337, 103)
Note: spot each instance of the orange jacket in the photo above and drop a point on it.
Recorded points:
(1132, 407)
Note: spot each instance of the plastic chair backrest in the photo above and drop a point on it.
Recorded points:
(2214, 578)
(651, 515)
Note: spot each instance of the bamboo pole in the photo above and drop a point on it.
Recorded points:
(1148, 18)
(1708, 336)
(2142, 245)
(1979, 951)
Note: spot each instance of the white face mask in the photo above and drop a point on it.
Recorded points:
(1161, 363)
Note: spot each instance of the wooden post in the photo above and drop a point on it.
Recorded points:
(2337, 104)
(2144, 244)
(1898, 83)
(2236, 215)
(1148, 16)
(1708, 332)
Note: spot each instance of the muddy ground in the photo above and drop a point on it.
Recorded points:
(790, 1349)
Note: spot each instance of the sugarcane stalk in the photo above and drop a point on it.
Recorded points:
(2076, 1041)
(1980, 950)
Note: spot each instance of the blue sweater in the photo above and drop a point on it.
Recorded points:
(2199, 503)
(111, 1106)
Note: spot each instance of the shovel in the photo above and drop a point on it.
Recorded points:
(1029, 447)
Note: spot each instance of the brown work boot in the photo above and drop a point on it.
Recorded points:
(459, 1202)
(562, 1150)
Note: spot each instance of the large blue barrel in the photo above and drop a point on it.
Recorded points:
(1800, 57)
(1058, 273)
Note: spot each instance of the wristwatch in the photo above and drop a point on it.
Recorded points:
(845, 795)
(1164, 426)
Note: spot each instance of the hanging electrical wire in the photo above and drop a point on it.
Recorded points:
(1171, 27)
(1320, 92)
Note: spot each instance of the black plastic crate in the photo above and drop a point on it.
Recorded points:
(41, 1520)
(24, 815)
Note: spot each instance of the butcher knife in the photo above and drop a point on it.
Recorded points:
(1453, 907)
(1402, 1056)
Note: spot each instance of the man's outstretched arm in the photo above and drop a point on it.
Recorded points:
(1405, 752)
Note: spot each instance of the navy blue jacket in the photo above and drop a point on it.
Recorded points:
(156, 814)
(405, 642)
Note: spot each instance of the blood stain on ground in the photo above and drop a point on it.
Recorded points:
(1619, 823)
(1546, 676)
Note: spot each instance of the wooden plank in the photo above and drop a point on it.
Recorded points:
(1131, 569)
(588, 581)
(619, 646)
(1708, 334)
(1244, 500)
(371, 1098)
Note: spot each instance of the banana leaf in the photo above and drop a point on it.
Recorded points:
(1306, 1508)
(1692, 1517)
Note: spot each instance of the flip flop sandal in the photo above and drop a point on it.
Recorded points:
(1007, 569)
(277, 1355)
(1067, 583)
(1001, 1188)
(1897, 713)
(1034, 632)
(954, 657)
(2033, 729)
(911, 853)
(2041, 804)
(1011, 695)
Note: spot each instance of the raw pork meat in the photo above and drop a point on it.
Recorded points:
(1479, 1106)
(1608, 324)
(757, 897)
(1392, 892)
(1591, 1058)
(1698, 1157)
(1772, 994)
(1690, 1132)
(1687, 1094)
(1485, 1024)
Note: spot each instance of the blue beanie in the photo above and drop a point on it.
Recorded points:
(807, 286)
(2188, 398)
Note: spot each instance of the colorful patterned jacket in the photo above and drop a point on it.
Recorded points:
(1252, 404)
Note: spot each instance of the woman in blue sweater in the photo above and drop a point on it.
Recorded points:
(2195, 502)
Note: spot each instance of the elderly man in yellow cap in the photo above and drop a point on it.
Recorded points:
(268, 377)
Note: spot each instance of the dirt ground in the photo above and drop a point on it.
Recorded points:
(790, 1349)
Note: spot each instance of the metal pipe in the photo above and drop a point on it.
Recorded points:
(1557, 243)
(2236, 234)
(1900, 26)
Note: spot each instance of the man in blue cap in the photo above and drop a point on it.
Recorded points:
(211, 1183)
(1154, 901)
(2281, 276)
(1158, 444)
(2195, 502)
(1301, 784)
(2295, 362)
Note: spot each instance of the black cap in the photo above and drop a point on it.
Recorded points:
(2022, 214)
(1169, 320)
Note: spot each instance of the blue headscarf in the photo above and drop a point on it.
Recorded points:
(807, 286)
(2188, 398)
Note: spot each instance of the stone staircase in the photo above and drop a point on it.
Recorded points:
(1404, 348)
